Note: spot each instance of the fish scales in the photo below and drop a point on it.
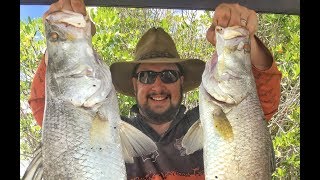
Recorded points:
(83, 137)
(245, 157)
(66, 145)
(236, 141)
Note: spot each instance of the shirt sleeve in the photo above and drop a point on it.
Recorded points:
(37, 95)
(268, 89)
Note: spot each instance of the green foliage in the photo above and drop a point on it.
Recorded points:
(30, 135)
(284, 40)
(281, 33)
(118, 31)
(32, 46)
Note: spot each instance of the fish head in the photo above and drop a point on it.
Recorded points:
(68, 41)
(74, 71)
(227, 75)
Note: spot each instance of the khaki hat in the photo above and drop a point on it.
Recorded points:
(156, 46)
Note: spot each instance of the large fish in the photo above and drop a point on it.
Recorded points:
(232, 130)
(83, 136)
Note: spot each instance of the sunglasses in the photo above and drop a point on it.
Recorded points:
(166, 76)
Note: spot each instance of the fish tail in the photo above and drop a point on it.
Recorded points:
(193, 139)
(35, 168)
(134, 142)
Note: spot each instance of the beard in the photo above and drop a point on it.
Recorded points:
(160, 118)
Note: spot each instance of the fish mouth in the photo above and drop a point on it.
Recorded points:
(218, 95)
(232, 32)
(93, 91)
(229, 75)
(212, 98)
(84, 73)
(79, 72)
(68, 17)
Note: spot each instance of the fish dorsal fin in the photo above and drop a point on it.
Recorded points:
(193, 139)
(35, 169)
(134, 142)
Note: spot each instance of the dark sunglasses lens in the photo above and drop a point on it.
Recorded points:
(169, 76)
(147, 77)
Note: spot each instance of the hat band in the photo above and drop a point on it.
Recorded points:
(156, 54)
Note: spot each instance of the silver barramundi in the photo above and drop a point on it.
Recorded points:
(83, 136)
(232, 129)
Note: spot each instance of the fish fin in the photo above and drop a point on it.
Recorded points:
(134, 142)
(193, 139)
(38, 175)
(222, 125)
(126, 155)
(35, 169)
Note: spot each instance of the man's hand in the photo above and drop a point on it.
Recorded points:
(77, 6)
(227, 15)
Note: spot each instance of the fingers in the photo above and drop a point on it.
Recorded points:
(222, 15)
(227, 15)
(235, 15)
(53, 8)
(70, 5)
(78, 6)
(66, 5)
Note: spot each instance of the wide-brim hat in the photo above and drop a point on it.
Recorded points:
(156, 46)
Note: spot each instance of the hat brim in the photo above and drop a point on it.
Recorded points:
(122, 73)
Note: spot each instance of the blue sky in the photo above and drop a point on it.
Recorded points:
(34, 11)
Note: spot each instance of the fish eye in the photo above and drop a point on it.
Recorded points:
(53, 36)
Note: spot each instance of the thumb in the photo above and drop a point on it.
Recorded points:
(211, 34)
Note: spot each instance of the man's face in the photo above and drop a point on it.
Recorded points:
(159, 101)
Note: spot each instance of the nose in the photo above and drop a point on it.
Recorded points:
(158, 85)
